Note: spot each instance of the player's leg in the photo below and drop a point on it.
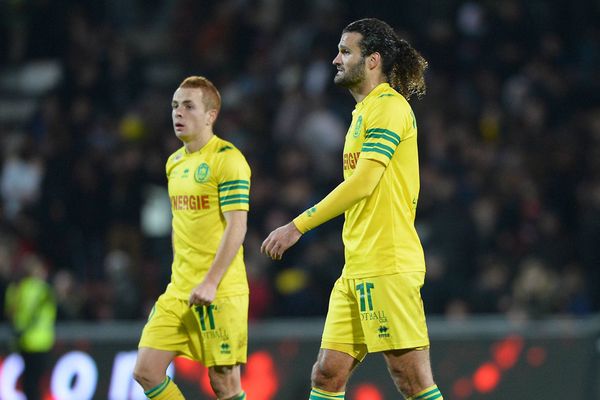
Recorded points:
(150, 372)
(226, 383)
(331, 373)
(395, 325)
(151, 366)
(222, 343)
(411, 371)
(162, 338)
(342, 346)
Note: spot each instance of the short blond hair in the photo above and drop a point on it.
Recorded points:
(211, 98)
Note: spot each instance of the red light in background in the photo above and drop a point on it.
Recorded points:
(45, 384)
(188, 369)
(536, 356)
(260, 380)
(462, 388)
(367, 391)
(486, 378)
(205, 383)
(506, 353)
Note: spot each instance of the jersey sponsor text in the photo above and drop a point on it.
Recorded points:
(190, 202)
(350, 160)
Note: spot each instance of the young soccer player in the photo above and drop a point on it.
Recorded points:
(203, 314)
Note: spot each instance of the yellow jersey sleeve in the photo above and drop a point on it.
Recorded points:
(387, 124)
(234, 182)
(345, 195)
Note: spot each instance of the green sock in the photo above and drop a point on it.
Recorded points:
(430, 393)
(320, 394)
(167, 390)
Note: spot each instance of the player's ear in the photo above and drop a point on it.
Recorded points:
(212, 116)
(373, 60)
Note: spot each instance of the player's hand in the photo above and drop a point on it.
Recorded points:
(203, 294)
(280, 240)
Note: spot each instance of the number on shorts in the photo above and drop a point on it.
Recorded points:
(362, 288)
(211, 319)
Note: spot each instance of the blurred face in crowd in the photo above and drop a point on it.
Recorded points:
(349, 62)
(191, 119)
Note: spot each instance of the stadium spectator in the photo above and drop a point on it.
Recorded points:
(30, 306)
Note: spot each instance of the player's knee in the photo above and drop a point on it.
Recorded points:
(220, 387)
(409, 382)
(404, 385)
(224, 382)
(327, 377)
(146, 378)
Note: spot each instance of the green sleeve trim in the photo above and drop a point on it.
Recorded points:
(236, 182)
(234, 187)
(378, 148)
(389, 138)
(234, 196)
(235, 202)
(384, 131)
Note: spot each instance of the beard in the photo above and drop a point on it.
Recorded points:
(352, 76)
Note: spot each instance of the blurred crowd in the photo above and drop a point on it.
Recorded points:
(509, 136)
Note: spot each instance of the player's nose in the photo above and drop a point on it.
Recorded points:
(337, 60)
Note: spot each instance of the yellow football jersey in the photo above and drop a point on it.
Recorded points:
(379, 233)
(202, 186)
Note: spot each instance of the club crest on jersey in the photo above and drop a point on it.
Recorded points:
(357, 126)
(202, 173)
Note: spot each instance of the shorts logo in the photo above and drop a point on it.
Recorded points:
(225, 348)
(357, 127)
(202, 173)
(383, 331)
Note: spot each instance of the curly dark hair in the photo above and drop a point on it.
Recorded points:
(403, 66)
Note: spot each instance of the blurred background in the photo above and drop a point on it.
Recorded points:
(509, 136)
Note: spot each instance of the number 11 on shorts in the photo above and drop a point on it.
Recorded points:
(362, 288)
(211, 319)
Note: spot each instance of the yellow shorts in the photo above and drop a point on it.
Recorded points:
(374, 314)
(214, 335)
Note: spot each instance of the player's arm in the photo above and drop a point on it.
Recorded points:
(358, 186)
(232, 240)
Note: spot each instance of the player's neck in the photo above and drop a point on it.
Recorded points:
(198, 142)
(363, 89)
